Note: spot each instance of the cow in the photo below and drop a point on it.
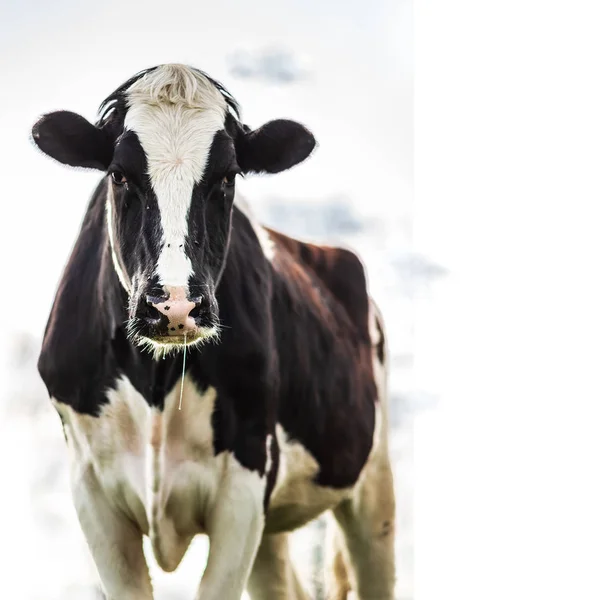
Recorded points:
(212, 375)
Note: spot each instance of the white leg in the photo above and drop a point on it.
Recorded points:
(337, 584)
(367, 521)
(273, 576)
(235, 528)
(114, 541)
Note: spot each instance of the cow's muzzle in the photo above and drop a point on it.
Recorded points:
(174, 317)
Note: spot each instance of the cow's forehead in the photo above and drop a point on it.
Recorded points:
(175, 112)
(175, 139)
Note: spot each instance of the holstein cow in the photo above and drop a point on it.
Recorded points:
(212, 375)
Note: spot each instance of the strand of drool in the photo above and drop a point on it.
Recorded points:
(182, 370)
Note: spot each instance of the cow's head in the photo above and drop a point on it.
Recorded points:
(171, 144)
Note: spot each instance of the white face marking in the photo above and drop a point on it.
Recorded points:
(175, 113)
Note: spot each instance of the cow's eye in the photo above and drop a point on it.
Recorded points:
(229, 180)
(118, 177)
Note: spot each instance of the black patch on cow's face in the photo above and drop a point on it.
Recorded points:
(209, 221)
(135, 215)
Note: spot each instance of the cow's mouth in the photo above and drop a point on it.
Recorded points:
(163, 345)
(188, 338)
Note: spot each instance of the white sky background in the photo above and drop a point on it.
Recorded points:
(507, 162)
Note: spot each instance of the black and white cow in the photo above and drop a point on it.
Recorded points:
(212, 375)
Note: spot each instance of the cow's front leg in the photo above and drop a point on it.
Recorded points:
(235, 527)
(114, 541)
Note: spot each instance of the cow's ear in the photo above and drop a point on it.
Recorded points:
(72, 140)
(274, 147)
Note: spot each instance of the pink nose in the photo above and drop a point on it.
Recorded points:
(177, 309)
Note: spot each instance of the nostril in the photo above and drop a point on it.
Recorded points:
(195, 312)
(199, 310)
(149, 312)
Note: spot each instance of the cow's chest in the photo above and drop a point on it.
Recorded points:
(160, 467)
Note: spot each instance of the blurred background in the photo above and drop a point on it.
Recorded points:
(343, 69)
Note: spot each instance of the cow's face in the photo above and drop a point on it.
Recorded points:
(172, 147)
